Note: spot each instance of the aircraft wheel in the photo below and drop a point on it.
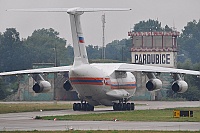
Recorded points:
(119, 106)
(92, 108)
(128, 106)
(124, 107)
(78, 106)
(75, 107)
(88, 107)
(132, 106)
(115, 106)
(84, 106)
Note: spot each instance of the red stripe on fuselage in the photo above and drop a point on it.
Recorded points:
(102, 81)
(87, 80)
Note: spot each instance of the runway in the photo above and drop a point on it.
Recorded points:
(24, 121)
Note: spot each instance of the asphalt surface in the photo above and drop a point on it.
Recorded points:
(25, 121)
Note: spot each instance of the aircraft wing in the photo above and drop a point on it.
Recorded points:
(146, 68)
(38, 71)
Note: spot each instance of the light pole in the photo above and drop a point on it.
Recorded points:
(55, 61)
(103, 39)
(55, 76)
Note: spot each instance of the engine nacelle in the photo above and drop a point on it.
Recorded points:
(67, 85)
(154, 84)
(179, 86)
(42, 87)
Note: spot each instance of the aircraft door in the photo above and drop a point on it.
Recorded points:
(120, 78)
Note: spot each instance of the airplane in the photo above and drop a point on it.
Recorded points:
(109, 84)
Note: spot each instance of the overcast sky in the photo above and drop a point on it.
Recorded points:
(171, 12)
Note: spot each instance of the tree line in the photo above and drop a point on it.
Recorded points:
(45, 45)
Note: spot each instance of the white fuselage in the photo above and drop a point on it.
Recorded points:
(96, 83)
(100, 85)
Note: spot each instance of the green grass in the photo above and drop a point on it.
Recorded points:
(100, 131)
(28, 107)
(137, 115)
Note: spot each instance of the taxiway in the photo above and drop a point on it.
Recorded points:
(24, 121)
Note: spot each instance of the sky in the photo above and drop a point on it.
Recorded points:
(174, 13)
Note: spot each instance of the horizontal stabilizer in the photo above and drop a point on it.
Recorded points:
(70, 10)
(102, 9)
(41, 10)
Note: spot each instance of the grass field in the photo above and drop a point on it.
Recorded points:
(137, 115)
(28, 107)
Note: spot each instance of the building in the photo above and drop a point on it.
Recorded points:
(157, 49)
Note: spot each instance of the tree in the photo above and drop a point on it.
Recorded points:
(12, 50)
(70, 55)
(193, 92)
(167, 28)
(150, 26)
(46, 45)
(3, 92)
(189, 41)
(1, 51)
(119, 50)
(93, 52)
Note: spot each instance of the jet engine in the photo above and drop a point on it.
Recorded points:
(154, 84)
(67, 85)
(42, 87)
(179, 86)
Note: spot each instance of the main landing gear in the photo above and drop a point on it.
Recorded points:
(123, 106)
(83, 107)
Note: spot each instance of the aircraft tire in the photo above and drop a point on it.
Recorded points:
(89, 107)
(124, 106)
(132, 106)
(115, 106)
(84, 107)
(78, 106)
(92, 108)
(128, 106)
(120, 105)
(75, 107)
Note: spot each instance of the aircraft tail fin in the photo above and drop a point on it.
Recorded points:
(80, 54)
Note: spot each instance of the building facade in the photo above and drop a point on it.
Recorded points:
(157, 49)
